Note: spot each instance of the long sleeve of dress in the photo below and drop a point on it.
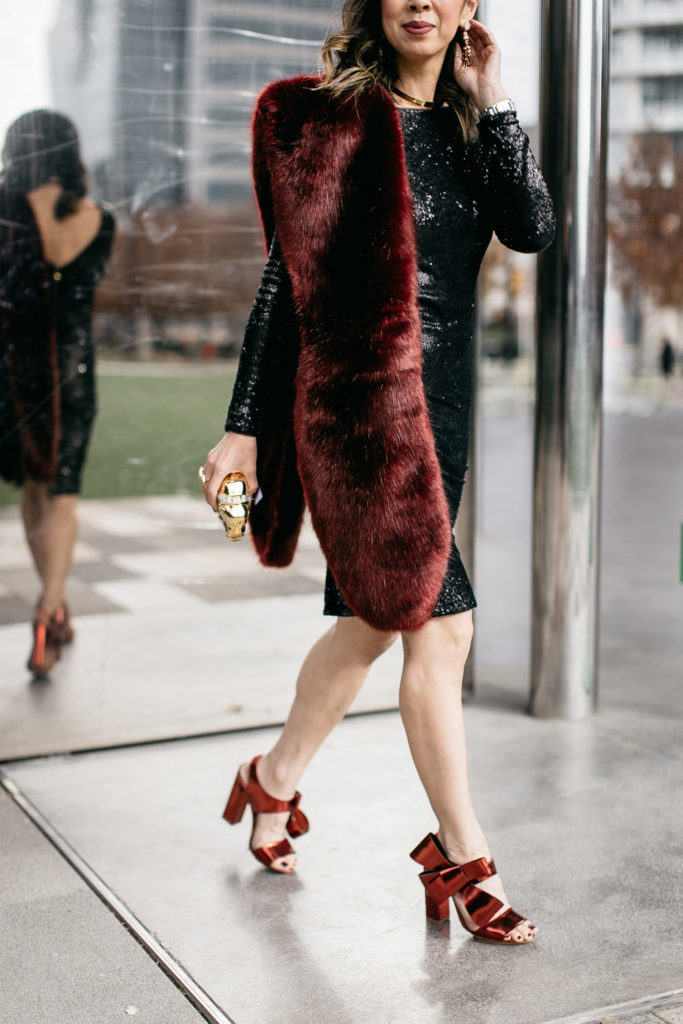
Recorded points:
(514, 192)
(246, 406)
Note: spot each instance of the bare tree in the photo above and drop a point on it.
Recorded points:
(645, 222)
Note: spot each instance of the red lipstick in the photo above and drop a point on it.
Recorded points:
(418, 28)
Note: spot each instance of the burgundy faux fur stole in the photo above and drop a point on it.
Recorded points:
(30, 406)
(330, 177)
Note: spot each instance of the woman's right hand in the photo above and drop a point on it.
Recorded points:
(234, 453)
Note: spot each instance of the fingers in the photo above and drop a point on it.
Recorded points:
(211, 477)
(478, 28)
(481, 35)
(210, 493)
(212, 488)
(234, 453)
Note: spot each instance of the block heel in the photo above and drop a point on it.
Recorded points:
(436, 911)
(46, 646)
(237, 802)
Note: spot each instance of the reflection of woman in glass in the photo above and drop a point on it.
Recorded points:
(379, 195)
(54, 247)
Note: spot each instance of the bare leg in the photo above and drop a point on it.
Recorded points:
(60, 538)
(332, 674)
(431, 708)
(35, 503)
(51, 527)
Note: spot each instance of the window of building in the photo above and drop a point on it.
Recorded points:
(226, 156)
(222, 191)
(618, 45)
(662, 92)
(225, 114)
(662, 40)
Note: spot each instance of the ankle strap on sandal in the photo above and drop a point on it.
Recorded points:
(263, 803)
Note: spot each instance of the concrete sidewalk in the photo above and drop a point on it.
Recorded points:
(582, 817)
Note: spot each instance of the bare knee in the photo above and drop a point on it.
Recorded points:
(65, 505)
(35, 508)
(443, 640)
(34, 496)
(365, 641)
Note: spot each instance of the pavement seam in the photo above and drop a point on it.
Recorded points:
(193, 992)
(22, 759)
(623, 1011)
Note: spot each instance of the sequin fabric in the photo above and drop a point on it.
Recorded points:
(73, 291)
(73, 294)
(462, 193)
(244, 414)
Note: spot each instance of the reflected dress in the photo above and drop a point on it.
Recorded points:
(44, 306)
(462, 193)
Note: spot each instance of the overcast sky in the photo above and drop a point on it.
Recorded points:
(24, 82)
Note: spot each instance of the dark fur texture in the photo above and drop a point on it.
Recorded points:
(330, 176)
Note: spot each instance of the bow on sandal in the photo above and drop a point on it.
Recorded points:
(443, 879)
(252, 792)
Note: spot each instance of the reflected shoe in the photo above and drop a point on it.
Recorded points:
(61, 624)
(252, 792)
(443, 879)
(46, 645)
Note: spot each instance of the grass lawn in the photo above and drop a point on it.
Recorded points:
(151, 434)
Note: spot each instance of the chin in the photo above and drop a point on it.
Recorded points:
(421, 49)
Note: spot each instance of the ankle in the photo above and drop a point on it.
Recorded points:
(50, 603)
(462, 846)
(277, 778)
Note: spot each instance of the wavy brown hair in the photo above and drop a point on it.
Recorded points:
(360, 57)
(41, 145)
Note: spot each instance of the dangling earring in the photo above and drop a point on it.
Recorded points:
(466, 46)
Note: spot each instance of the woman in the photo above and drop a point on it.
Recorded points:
(54, 247)
(379, 194)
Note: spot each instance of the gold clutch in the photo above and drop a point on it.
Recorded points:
(234, 505)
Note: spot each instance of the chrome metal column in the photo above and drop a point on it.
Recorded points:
(466, 530)
(466, 523)
(574, 92)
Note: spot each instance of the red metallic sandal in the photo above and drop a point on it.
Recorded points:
(46, 645)
(443, 879)
(61, 624)
(252, 792)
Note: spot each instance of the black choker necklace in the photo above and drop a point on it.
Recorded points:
(412, 99)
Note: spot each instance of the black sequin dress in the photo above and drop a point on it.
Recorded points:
(65, 296)
(462, 193)
(74, 294)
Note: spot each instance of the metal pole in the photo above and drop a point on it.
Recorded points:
(467, 515)
(574, 92)
(466, 531)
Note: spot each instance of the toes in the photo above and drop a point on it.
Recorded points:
(285, 865)
(522, 934)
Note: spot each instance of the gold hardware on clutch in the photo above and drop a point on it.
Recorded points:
(234, 505)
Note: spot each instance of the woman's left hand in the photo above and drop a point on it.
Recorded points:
(481, 80)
